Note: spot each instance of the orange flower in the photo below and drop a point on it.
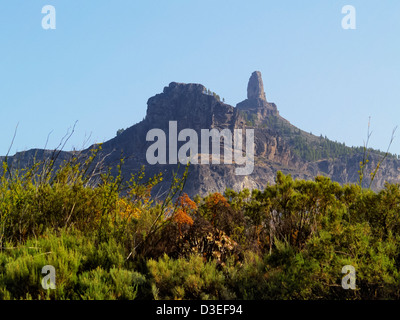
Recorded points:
(185, 205)
(217, 199)
(181, 217)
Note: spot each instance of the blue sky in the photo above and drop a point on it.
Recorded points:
(106, 58)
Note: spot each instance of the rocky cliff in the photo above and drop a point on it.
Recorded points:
(278, 145)
(191, 107)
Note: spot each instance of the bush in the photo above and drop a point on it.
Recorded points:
(110, 239)
(82, 271)
(186, 279)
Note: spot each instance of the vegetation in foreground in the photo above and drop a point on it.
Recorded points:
(109, 239)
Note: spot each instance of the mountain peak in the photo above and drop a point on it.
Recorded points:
(255, 87)
(256, 99)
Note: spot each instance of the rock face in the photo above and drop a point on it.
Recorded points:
(256, 100)
(255, 87)
(193, 108)
(190, 106)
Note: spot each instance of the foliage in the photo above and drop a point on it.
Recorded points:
(311, 148)
(186, 279)
(111, 239)
(83, 270)
(212, 93)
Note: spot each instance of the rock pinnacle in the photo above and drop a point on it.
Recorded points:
(255, 88)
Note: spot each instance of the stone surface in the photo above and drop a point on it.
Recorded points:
(255, 87)
(256, 99)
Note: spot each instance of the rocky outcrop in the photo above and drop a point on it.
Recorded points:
(192, 107)
(255, 87)
(256, 100)
(188, 105)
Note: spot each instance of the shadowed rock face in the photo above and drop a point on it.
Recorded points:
(192, 108)
(255, 87)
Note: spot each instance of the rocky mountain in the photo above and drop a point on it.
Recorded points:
(278, 145)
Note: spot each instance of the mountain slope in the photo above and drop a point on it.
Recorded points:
(278, 145)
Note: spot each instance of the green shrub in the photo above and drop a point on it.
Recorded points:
(99, 284)
(187, 279)
(81, 269)
(112, 240)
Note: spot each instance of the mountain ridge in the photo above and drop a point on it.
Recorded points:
(279, 145)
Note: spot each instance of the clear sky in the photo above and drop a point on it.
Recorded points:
(106, 58)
